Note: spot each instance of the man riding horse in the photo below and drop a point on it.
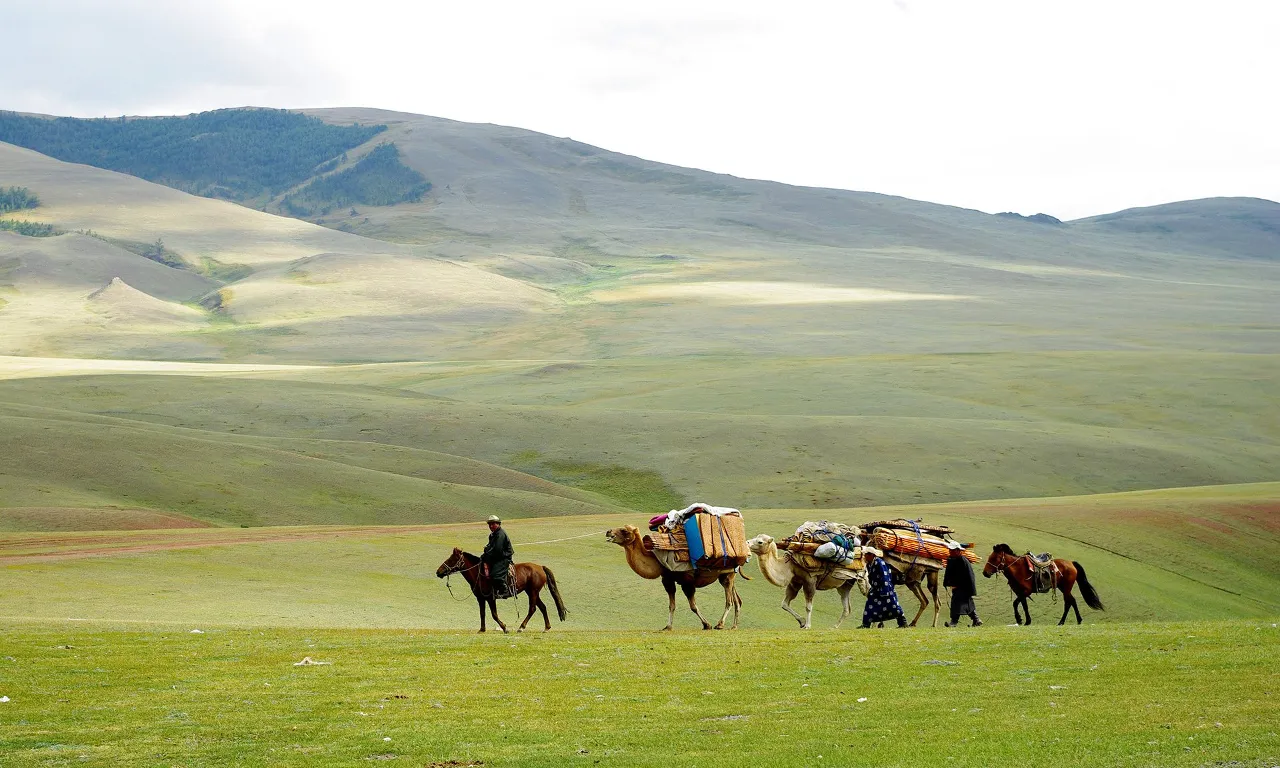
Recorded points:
(497, 557)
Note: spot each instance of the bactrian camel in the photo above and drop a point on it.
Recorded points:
(647, 566)
(781, 571)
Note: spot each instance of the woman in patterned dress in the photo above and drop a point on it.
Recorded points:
(882, 601)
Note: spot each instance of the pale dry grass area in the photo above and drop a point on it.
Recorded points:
(117, 205)
(763, 293)
(13, 367)
(343, 285)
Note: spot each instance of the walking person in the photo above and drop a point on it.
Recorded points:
(964, 587)
(497, 557)
(882, 601)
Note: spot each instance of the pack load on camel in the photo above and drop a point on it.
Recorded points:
(698, 537)
(817, 546)
(912, 542)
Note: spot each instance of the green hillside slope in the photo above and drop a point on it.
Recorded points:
(817, 433)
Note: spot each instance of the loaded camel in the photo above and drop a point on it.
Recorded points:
(647, 566)
(781, 570)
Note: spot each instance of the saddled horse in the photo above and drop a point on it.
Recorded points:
(530, 578)
(1019, 570)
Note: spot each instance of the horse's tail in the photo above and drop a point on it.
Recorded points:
(555, 594)
(1090, 595)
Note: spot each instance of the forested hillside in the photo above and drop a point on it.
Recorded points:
(236, 154)
(378, 178)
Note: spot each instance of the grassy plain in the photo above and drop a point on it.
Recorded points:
(1165, 555)
(433, 442)
(1169, 694)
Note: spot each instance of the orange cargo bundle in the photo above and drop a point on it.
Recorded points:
(907, 544)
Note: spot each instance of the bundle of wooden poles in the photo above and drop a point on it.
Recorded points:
(907, 542)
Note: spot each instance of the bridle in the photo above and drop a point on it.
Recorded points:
(463, 568)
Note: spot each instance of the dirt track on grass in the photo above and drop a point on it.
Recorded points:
(45, 547)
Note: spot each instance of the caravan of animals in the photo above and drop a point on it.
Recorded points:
(702, 545)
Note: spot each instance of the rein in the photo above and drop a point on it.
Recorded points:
(463, 570)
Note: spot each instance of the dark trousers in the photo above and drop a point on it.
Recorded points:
(962, 605)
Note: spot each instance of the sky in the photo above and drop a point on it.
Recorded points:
(1068, 108)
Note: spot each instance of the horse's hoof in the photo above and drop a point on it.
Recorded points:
(665, 629)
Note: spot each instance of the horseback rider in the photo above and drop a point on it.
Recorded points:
(497, 557)
(882, 601)
(959, 577)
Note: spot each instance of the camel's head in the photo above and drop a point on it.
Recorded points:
(761, 544)
(624, 536)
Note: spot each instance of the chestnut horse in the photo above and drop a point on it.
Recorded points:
(530, 578)
(1018, 570)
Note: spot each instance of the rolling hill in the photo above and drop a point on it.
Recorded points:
(567, 250)
(626, 328)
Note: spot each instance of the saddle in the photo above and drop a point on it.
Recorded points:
(1044, 572)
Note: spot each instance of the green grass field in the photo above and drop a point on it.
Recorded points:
(1168, 694)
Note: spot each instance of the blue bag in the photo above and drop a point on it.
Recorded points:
(694, 537)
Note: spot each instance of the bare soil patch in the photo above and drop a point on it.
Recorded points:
(27, 548)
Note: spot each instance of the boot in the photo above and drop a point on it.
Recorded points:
(974, 618)
(902, 622)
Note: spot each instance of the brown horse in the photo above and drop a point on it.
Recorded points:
(530, 578)
(1019, 571)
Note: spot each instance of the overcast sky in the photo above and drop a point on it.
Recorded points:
(1070, 108)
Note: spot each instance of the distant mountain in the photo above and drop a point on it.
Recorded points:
(530, 245)
(1239, 226)
(1038, 218)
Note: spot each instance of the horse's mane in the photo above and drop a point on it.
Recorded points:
(1005, 548)
(470, 556)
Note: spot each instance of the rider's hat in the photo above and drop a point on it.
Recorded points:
(494, 519)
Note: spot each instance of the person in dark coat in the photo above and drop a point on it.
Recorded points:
(959, 578)
(497, 557)
(882, 601)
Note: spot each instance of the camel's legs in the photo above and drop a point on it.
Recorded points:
(670, 585)
(788, 595)
(809, 591)
(691, 592)
(918, 591)
(933, 589)
(737, 606)
(845, 591)
(731, 600)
